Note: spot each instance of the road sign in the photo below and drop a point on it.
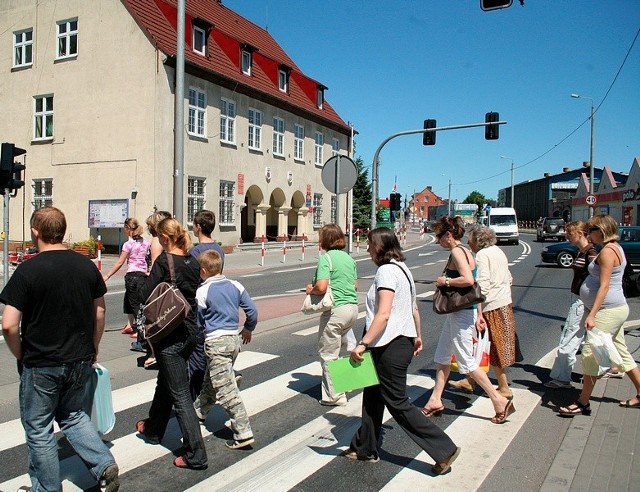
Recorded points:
(347, 174)
(591, 200)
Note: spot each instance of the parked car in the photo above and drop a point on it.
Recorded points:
(551, 227)
(564, 253)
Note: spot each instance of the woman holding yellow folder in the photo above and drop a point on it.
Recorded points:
(393, 337)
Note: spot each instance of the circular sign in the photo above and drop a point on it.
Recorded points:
(339, 174)
(591, 200)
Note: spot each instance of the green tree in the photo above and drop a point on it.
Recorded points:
(362, 197)
(479, 199)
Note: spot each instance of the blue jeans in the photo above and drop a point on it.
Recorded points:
(58, 392)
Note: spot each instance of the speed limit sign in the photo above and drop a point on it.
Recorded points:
(591, 200)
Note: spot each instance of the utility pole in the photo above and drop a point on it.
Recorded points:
(178, 122)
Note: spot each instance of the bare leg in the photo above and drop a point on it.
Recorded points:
(503, 382)
(634, 375)
(499, 402)
(435, 401)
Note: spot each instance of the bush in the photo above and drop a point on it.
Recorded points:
(90, 244)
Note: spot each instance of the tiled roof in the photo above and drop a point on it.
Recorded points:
(229, 32)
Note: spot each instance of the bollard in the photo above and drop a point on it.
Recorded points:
(99, 248)
(302, 249)
(262, 252)
(284, 251)
(358, 240)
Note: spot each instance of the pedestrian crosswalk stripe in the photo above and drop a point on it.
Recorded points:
(425, 294)
(132, 452)
(12, 432)
(314, 329)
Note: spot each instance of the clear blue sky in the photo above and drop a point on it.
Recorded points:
(391, 64)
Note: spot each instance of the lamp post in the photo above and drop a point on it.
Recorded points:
(591, 156)
(510, 159)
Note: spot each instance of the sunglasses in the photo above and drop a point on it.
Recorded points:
(440, 235)
(594, 229)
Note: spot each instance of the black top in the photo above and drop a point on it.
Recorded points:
(55, 292)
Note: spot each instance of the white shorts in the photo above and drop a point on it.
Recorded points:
(456, 339)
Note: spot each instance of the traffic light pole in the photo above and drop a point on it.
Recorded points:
(5, 239)
(376, 157)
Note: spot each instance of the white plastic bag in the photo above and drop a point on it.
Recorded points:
(481, 349)
(98, 402)
(603, 350)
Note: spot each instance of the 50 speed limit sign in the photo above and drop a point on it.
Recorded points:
(591, 200)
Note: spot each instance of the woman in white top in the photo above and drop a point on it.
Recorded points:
(393, 337)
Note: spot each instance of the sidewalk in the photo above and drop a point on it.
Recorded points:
(602, 451)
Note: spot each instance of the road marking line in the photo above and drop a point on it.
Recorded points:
(314, 329)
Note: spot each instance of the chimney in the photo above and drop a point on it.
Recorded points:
(546, 175)
(585, 164)
(429, 188)
(565, 169)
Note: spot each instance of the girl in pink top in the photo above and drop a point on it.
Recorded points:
(134, 253)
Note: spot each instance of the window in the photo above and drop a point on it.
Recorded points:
(42, 117)
(283, 80)
(298, 143)
(335, 147)
(67, 38)
(318, 151)
(319, 97)
(197, 113)
(255, 129)
(226, 202)
(317, 210)
(42, 193)
(227, 121)
(246, 62)
(334, 203)
(278, 136)
(199, 41)
(195, 196)
(23, 48)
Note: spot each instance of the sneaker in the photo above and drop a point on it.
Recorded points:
(613, 373)
(25, 488)
(110, 482)
(239, 379)
(240, 443)
(201, 416)
(352, 455)
(557, 384)
(137, 347)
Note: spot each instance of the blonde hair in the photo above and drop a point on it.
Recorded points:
(134, 226)
(154, 219)
(175, 233)
(577, 226)
(210, 260)
(607, 225)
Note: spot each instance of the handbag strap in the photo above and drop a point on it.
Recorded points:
(450, 256)
(405, 274)
(172, 270)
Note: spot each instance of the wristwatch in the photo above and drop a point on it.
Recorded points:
(446, 281)
(365, 345)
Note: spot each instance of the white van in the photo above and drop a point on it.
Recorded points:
(504, 222)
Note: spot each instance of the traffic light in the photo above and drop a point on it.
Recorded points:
(394, 202)
(495, 4)
(429, 138)
(10, 171)
(492, 132)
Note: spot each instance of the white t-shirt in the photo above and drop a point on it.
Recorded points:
(401, 323)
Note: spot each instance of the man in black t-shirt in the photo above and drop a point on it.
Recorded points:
(53, 322)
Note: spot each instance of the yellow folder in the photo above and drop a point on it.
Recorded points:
(347, 375)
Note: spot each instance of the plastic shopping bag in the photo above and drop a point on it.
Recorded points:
(98, 402)
(603, 350)
(481, 345)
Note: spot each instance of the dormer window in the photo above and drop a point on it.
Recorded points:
(320, 97)
(246, 62)
(283, 79)
(199, 41)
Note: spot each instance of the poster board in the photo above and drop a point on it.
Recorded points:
(105, 214)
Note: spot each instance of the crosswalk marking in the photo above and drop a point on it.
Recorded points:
(314, 329)
(288, 461)
(429, 293)
(12, 432)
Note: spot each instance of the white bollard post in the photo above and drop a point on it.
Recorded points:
(303, 249)
(284, 251)
(262, 252)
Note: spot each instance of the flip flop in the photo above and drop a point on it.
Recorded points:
(628, 404)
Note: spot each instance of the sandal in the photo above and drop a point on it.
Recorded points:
(444, 466)
(433, 412)
(628, 404)
(501, 417)
(151, 361)
(576, 408)
(141, 427)
(181, 462)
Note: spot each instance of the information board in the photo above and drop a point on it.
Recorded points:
(105, 214)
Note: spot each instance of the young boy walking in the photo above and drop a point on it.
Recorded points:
(219, 299)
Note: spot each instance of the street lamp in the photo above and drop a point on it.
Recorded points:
(448, 199)
(591, 156)
(509, 158)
